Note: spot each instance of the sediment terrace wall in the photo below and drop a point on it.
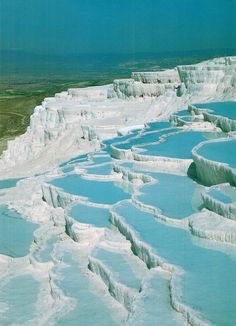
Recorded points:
(211, 172)
(226, 124)
(56, 197)
(58, 116)
(228, 210)
(120, 292)
(145, 253)
(216, 78)
(157, 77)
(129, 88)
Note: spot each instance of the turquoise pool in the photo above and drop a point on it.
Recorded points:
(20, 296)
(225, 193)
(78, 159)
(176, 146)
(119, 267)
(157, 125)
(103, 192)
(16, 234)
(121, 138)
(148, 137)
(90, 215)
(104, 169)
(208, 284)
(182, 113)
(8, 183)
(222, 151)
(88, 308)
(176, 196)
(225, 109)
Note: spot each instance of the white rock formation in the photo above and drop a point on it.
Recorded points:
(74, 121)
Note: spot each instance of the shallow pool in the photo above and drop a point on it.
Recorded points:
(104, 169)
(144, 138)
(119, 267)
(225, 109)
(182, 113)
(8, 183)
(16, 234)
(78, 159)
(88, 308)
(225, 193)
(103, 192)
(178, 145)
(208, 284)
(157, 125)
(176, 196)
(20, 296)
(90, 215)
(222, 151)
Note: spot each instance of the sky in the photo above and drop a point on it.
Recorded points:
(116, 26)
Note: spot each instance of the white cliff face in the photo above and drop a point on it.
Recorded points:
(129, 88)
(54, 121)
(157, 77)
(147, 268)
(74, 121)
(213, 78)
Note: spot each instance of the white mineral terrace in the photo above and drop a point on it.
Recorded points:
(122, 202)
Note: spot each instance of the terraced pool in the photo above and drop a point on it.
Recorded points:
(224, 109)
(20, 295)
(16, 234)
(177, 145)
(90, 215)
(148, 137)
(208, 273)
(103, 192)
(136, 252)
(176, 196)
(222, 151)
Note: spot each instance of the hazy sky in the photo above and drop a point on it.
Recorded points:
(111, 26)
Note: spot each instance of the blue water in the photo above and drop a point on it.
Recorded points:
(223, 193)
(148, 137)
(182, 113)
(90, 215)
(20, 295)
(157, 125)
(223, 152)
(208, 284)
(219, 195)
(104, 169)
(190, 119)
(16, 234)
(225, 109)
(154, 304)
(119, 267)
(77, 159)
(103, 192)
(89, 308)
(8, 183)
(99, 159)
(45, 253)
(121, 138)
(176, 196)
(67, 169)
(176, 146)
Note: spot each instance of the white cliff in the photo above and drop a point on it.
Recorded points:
(66, 123)
(160, 252)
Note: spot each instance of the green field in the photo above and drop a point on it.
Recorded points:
(26, 79)
(14, 116)
(17, 103)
